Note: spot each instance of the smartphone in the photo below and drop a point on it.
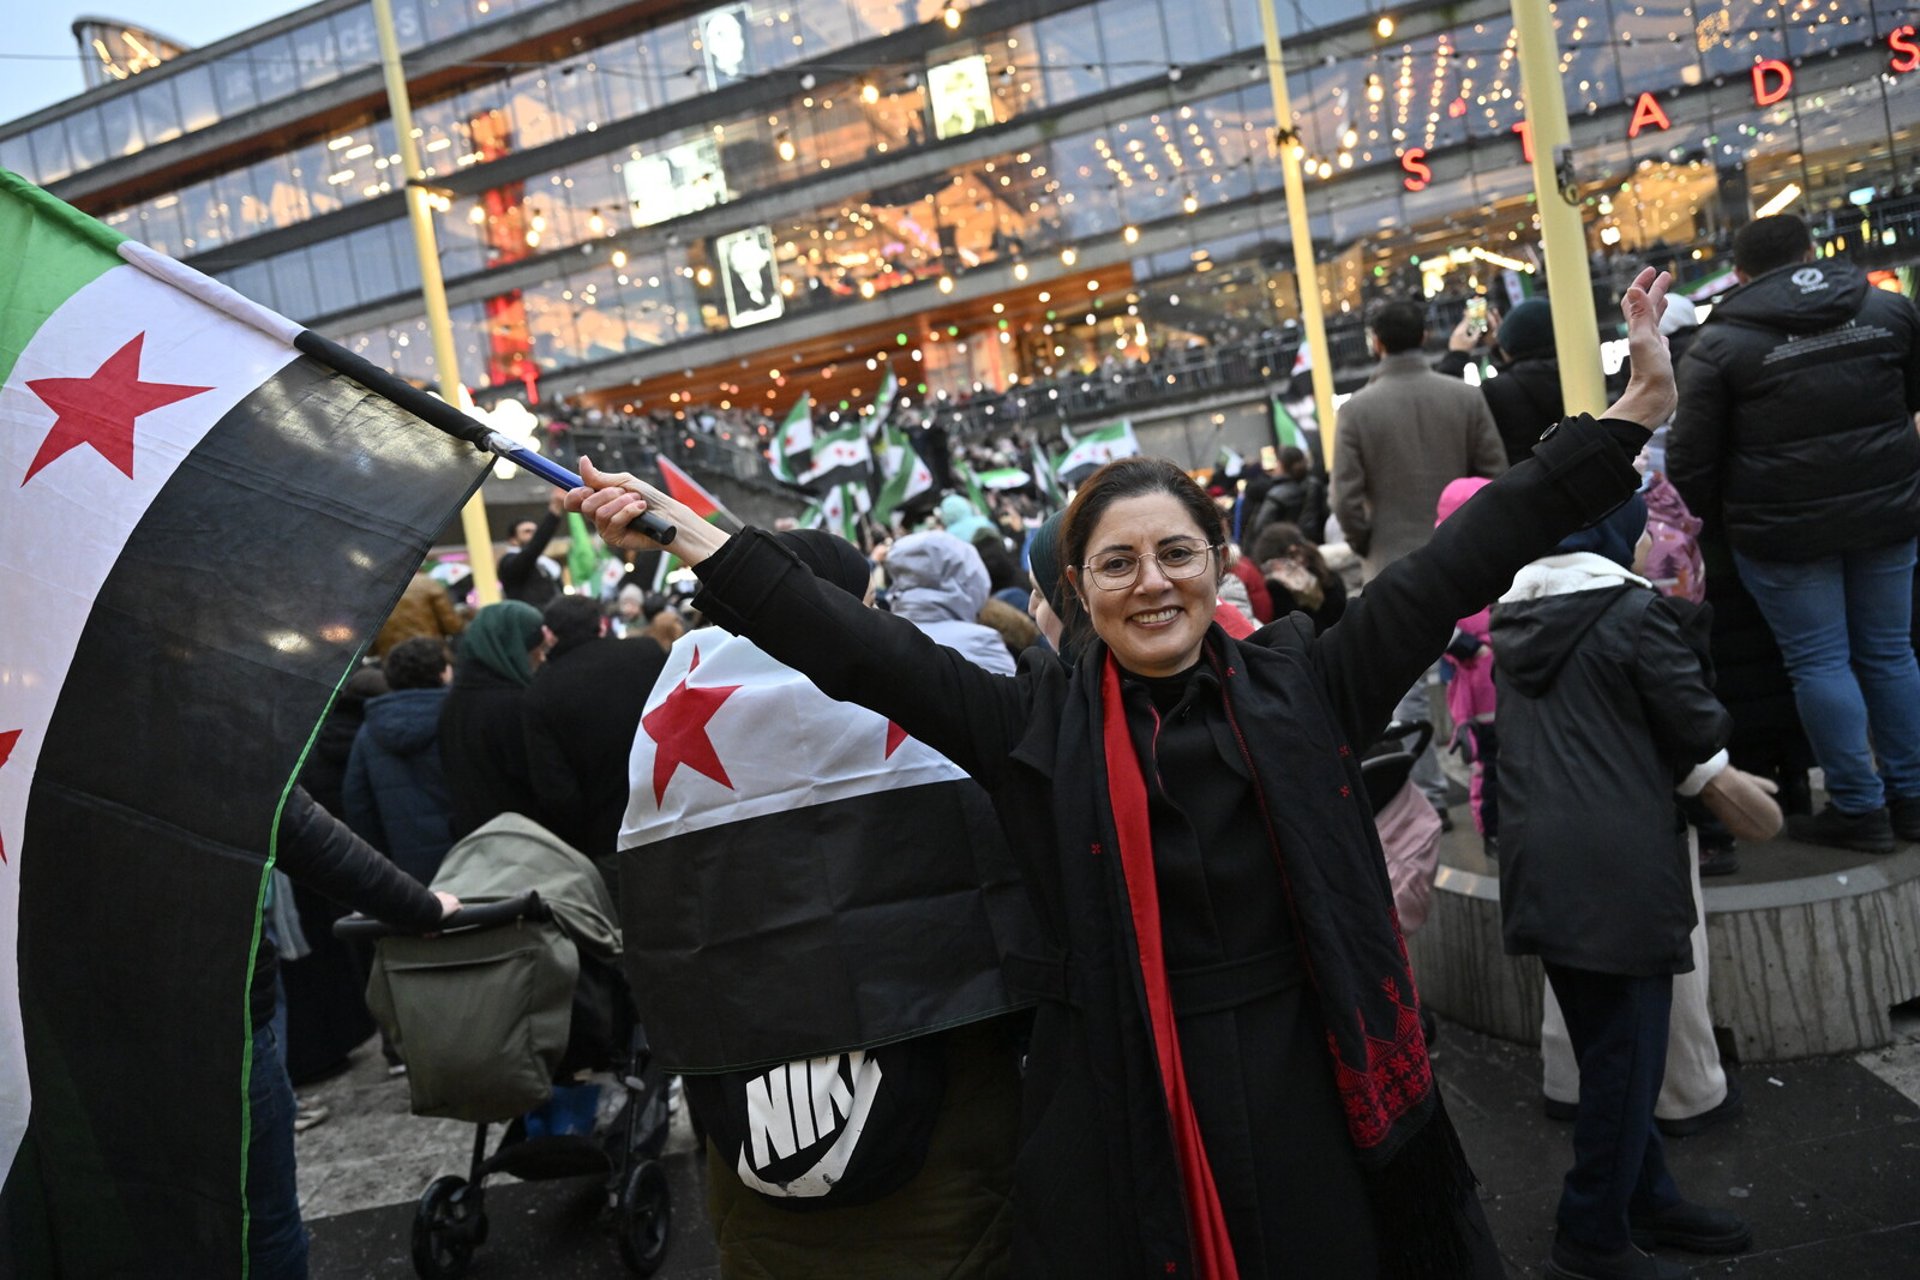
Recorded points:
(1477, 313)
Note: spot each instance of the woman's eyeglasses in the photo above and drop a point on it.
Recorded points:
(1118, 570)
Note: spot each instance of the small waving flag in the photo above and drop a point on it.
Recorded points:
(201, 525)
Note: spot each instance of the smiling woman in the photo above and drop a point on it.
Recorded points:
(1141, 545)
(1227, 1075)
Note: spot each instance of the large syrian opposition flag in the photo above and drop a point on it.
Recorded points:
(200, 527)
(1097, 449)
(800, 878)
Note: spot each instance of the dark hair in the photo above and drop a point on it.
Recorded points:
(1400, 324)
(572, 619)
(653, 605)
(513, 529)
(1003, 570)
(1293, 461)
(1133, 477)
(1280, 540)
(418, 663)
(1766, 244)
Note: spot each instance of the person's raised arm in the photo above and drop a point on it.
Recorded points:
(1580, 470)
(752, 586)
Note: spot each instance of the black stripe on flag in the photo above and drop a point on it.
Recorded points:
(240, 601)
(842, 925)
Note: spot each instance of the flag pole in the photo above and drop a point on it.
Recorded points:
(1583, 388)
(1306, 274)
(473, 516)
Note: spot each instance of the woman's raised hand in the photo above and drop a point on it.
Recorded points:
(1650, 395)
(613, 501)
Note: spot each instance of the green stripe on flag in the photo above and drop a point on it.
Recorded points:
(67, 250)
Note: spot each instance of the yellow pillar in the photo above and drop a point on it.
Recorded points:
(473, 516)
(1312, 320)
(1576, 333)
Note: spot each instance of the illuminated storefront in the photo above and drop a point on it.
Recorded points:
(743, 200)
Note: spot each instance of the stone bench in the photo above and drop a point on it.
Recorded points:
(1809, 949)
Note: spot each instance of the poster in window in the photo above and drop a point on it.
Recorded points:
(751, 276)
(675, 181)
(723, 45)
(961, 94)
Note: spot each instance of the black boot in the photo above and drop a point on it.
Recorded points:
(1570, 1262)
(1869, 832)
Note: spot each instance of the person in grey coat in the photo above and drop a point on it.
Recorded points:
(939, 584)
(1403, 438)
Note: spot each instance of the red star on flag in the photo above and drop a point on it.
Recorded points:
(895, 736)
(7, 740)
(678, 727)
(100, 410)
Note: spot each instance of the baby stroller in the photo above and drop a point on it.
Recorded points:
(1409, 828)
(519, 990)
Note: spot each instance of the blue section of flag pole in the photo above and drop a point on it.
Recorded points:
(436, 412)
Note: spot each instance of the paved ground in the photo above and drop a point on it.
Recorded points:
(1826, 1163)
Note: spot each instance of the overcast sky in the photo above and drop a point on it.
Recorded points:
(40, 60)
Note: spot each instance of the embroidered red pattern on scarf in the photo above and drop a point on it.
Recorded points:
(1396, 1078)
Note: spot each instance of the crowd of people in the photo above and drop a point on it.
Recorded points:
(1189, 1040)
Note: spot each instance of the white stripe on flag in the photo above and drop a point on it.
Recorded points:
(782, 744)
(62, 531)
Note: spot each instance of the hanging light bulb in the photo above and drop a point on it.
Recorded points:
(869, 93)
(1068, 257)
(1131, 235)
(951, 16)
(783, 143)
(1191, 204)
(1376, 92)
(946, 284)
(1019, 271)
(1384, 28)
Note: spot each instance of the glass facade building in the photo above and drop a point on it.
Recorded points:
(736, 201)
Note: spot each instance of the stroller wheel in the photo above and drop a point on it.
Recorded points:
(646, 1217)
(447, 1225)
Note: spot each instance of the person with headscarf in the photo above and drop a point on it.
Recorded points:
(1227, 1076)
(880, 998)
(1604, 707)
(482, 724)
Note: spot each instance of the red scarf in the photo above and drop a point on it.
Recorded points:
(1127, 789)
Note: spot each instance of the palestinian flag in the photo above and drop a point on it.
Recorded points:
(1096, 449)
(790, 454)
(687, 491)
(798, 876)
(200, 528)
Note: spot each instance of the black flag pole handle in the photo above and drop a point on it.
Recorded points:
(435, 412)
(655, 527)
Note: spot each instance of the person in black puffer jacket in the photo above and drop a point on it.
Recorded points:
(396, 789)
(1795, 436)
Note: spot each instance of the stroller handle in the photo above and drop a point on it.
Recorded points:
(487, 915)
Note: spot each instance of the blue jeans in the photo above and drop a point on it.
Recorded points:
(1844, 624)
(276, 1238)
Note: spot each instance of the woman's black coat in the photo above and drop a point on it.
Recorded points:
(1097, 1188)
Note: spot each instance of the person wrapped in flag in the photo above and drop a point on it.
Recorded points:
(815, 906)
(1227, 1075)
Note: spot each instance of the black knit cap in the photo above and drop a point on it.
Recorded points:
(1043, 557)
(1528, 330)
(833, 560)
